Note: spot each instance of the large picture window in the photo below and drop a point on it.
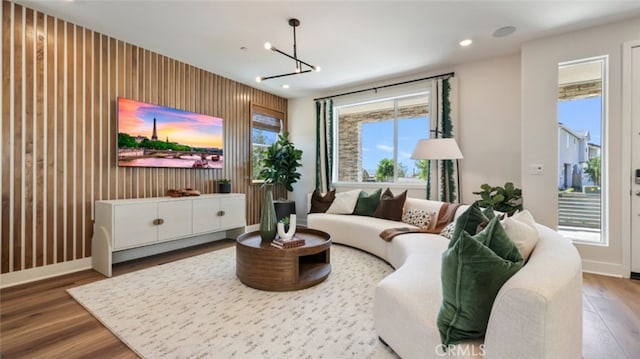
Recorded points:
(375, 139)
(582, 187)
(266, 124)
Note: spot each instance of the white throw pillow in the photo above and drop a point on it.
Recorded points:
(418, 217)
(522, 231)
(345, 202)
(447, 231)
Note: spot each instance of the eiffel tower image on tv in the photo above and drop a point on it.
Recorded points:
(154, 136)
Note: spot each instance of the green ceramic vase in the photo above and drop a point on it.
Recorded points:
(268, 221)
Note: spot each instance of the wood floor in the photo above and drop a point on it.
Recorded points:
(40, 320)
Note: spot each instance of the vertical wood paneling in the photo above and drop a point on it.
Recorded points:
(28, 138)
(87, 150)
(78, 121)
(4, 145)
(68, 140)
(49, 137)
(59, 135)
(60, 83)
(16, 161)
(39, 161)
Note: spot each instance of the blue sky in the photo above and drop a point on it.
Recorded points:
(377, 141)
(377, 137)
(583, 114)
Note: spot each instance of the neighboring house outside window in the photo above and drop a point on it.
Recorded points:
(572, 158)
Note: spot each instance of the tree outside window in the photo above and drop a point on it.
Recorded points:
(266, 124)
(375, 140)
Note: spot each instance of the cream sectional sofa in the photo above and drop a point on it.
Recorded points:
(536, 314)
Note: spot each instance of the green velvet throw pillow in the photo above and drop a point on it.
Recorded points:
(367, 203)
(488, 212)
(473, 271)
(468, 222)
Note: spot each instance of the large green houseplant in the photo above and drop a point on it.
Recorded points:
(280, 163)
(280, 166)
(506, 199)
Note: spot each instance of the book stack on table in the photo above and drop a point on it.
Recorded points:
(291, 243)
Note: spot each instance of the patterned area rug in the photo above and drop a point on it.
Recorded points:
(197, 308)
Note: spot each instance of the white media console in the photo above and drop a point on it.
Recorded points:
(127, 225)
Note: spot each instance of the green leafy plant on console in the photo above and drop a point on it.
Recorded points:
(504, 199)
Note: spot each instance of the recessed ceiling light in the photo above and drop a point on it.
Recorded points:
(504, 31)
(466, 42)
(285, 86)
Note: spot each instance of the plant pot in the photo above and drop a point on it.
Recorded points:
(224, 187)
(284, 208)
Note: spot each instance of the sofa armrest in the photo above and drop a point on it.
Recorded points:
(538, 312)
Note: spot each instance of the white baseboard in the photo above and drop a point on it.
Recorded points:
(53, 270)
(34, 274)
(604, 268)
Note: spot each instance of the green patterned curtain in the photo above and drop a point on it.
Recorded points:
(447, 180)
(443, 129)
(324, 145)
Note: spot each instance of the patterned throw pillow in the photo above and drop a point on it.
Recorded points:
(418, 217)
(447, 231)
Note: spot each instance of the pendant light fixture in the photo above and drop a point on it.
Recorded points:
(301, 67)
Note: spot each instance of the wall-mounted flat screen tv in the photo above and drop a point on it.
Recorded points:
(156, 136)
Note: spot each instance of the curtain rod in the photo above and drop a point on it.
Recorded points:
(376, 88)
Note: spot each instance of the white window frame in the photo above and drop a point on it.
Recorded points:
(604, 150)
(407, 92)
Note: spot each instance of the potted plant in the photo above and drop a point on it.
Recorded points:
(224, 185)
(506, 199)
(280, 166)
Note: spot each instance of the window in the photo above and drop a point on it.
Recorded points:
(266, 124)
(581, 121)
(375, 139)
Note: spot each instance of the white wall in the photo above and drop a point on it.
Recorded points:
(302, 132)
(488, 128)
(489, 118)
(539, 131)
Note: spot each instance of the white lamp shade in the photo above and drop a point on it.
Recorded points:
(437, 149)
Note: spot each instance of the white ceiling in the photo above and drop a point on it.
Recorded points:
(354, 42)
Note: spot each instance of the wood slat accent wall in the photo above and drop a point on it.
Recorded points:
(59, 88)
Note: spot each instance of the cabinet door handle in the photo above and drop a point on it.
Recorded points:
(158, 221)
(221, 213)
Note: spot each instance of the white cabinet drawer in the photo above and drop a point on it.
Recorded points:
(133, 225)
(234, 213)
(206, 216)
(176, 219)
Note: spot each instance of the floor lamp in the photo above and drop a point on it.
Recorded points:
(439, 149)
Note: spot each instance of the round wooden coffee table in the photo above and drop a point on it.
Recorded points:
(260, 265)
